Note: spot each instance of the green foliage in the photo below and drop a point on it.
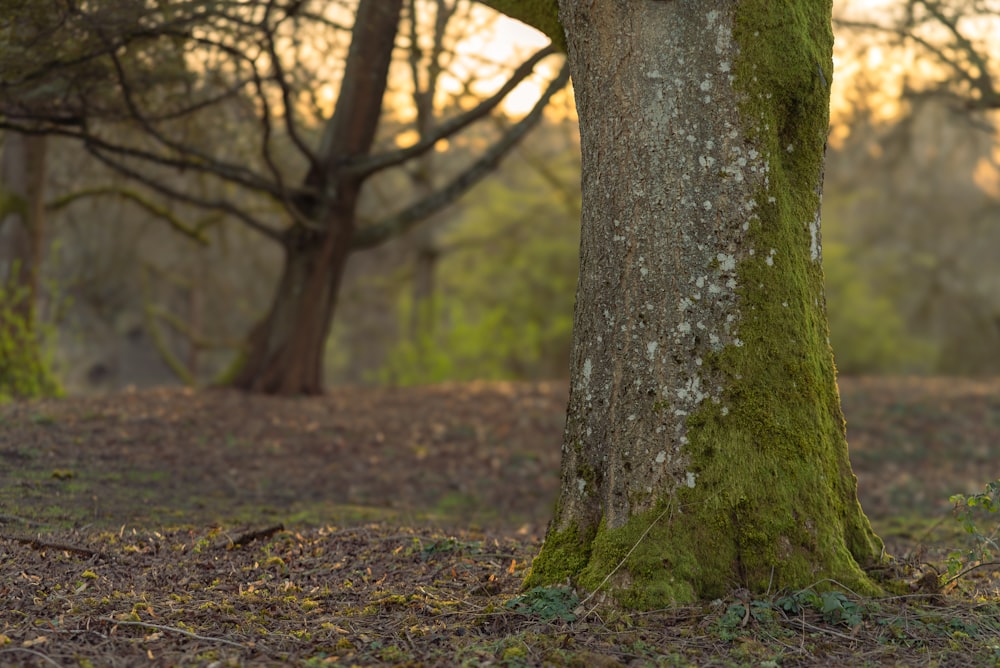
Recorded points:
(24, 368)
(867, 331)
(505, 286)
(477, 345)
(547, 603)
(969, 509)
(834, 606)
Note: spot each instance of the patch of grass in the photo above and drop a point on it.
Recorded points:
(43, 419)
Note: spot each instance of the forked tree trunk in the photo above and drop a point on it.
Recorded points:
(704, 447)
(284, 353)
(285, 350)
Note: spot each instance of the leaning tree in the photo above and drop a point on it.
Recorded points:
(76, 75)
(704, 447)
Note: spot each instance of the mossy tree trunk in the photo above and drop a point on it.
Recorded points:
(23, 371)
(704, 447)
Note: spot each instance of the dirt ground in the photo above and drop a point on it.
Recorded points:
(401, 488)
(484, 454)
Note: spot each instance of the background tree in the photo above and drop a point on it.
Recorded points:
(243, 47)
(704, 445)
(23, 367)
(916, 178)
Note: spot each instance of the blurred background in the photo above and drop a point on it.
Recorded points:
(484, 288)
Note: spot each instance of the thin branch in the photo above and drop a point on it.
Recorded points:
(39, 544)
(195, 233)
(367, 165)
(982, 83)
(214, 205)
(172, 629)
(90, 140)
(32, 652)
(286, 98)
(968, 570)
(205, 160)
(371, 236)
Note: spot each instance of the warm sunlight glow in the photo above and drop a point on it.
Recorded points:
(492, 54)
(987, 174)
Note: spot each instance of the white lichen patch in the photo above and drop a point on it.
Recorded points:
(588, 368)
(661, 457)
(815, 250)
(726, 261)
(581, 485)
(651, 350)
(690, 479)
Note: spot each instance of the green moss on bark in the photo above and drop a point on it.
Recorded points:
(775, 502)
(566, 553)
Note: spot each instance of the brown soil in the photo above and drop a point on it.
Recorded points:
(144, 527)
(454, 454)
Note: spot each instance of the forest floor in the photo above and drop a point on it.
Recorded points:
(394, 527)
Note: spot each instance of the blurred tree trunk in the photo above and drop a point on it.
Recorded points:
(22, 229)
(425, 238)
(284, 352)
(704, 447)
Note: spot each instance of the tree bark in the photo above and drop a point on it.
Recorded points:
(23, 372)
(704, 447)
(285, 351)
(287, 347)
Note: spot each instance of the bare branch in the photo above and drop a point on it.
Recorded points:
(368, 165)
(195, 233)
(226, 172)
(223, 206)
(371, 236)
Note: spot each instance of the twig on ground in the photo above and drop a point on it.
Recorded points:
(251, 536)
(29, 651)
(173, 629)
(39, 544)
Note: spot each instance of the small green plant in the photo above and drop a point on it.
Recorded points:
(835, 607)
(547, 603)
(449, 546)
(25, 365)
(969, 509)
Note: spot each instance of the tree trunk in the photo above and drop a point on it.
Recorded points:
(285, 350)
(22, 218)
(704, 447)
(23, 372)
